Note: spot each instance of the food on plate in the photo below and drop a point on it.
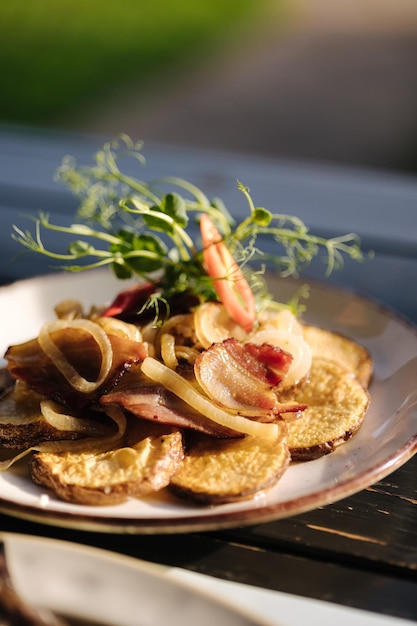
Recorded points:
(336, 406)
(141, 466)
(22, 423)
(194, 379)
(350, 354)
(215, 471)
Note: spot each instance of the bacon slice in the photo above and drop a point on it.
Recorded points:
(155, 403)
(28, 362)
(245, 377)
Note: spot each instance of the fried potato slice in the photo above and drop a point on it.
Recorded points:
(22, 424)
(216, 471)
(337, 404)
(339, 348)
(144, 465)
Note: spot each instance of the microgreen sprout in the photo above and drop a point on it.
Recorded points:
(139, 230)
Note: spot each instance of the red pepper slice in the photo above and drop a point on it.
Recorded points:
(229, 282)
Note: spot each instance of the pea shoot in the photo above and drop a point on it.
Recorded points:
(139, 230)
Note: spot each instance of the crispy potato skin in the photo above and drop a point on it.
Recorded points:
(111, 477)
(28, 435)
(337, 404)
(217, 471)
(336, 347)
(21, 422)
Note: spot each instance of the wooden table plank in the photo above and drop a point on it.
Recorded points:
(274, 568)
(374, 528)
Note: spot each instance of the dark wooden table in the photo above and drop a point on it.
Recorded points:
(359, 552)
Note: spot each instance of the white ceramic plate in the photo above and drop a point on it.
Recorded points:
(100, 587)
(387, 439)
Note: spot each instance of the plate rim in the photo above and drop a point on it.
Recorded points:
(230, 519)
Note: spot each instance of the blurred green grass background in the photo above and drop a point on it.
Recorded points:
(58, 57)
(300, 79)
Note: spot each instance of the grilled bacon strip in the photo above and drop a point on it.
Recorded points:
(153, 402)
(245, 377)
(29, 363)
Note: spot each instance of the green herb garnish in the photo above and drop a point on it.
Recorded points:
(142, 229)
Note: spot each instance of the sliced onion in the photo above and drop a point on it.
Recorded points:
(4, 465)
(89, 444)
(77, 381)
(158, 372)
(171, 352)
(92, 444)
(69, 309)
(168, 350)
(113, 326)
(182, 324)
(54, 414)
(186, 353)
(292, 343)
(149, 333)
(283, 320)
(213, 324)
